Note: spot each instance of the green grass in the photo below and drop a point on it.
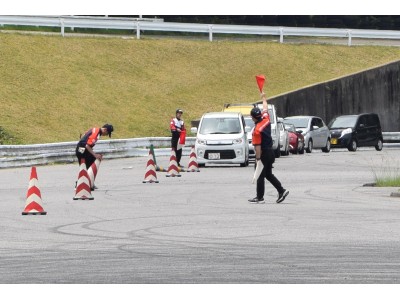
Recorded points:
(54, 88)
(386, 172)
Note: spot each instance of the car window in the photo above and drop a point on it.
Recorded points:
(317, 122)
(298, 122)
(373, 120)
(362, 122)
(343, 122)
(220, 126)
(249, 122)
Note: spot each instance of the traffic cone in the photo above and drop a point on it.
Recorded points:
(83, 184)
(173, 170)
(150, 175)
(33, 198)
(193, 166)
(92, 172)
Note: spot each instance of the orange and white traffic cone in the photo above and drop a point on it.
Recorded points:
(33, 198)
(92, 172)
(83, 185)
(193, 166)
(150, 175)
(173, 170)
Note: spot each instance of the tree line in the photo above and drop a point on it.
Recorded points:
(318, 21)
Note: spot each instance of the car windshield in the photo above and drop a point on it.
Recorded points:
(249, 122)
(298, 122)
(343, 122)
(290, 127)
(220, 126)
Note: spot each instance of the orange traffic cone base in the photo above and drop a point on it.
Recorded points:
(34, 213)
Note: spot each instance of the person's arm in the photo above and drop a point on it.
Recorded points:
(90, 149)
(264, 100)
(258, 151)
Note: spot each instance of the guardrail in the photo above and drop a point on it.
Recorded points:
(40, 154)
(12, 156)
(140, 24)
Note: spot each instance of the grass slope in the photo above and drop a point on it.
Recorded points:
(53, 88)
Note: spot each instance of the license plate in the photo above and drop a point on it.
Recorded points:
(333, 141)
(213, 156)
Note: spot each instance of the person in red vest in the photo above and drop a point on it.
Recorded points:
(262, 142)
(84, 148)
(177, 127)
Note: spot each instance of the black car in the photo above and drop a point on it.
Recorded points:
(353, 131)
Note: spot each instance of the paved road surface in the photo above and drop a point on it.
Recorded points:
(199, 228)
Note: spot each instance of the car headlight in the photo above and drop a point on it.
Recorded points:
(201, 142)
(237, 141)
(346, 131)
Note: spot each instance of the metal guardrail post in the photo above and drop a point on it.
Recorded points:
(210, 33)
(281, 35)
(138, 30)
(62, 27)
(349, 38)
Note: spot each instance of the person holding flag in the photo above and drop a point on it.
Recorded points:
(178, 134)
(265, 156)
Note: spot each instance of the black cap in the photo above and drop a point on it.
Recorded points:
(256, 113)
(109, 128)
(179, 111)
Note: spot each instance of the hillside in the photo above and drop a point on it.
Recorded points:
(53, 88)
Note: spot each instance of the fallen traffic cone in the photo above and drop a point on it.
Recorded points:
(92, 172)
(83, 184)
(173, 170)
(150, 175)
(193, 166)
(33, 198)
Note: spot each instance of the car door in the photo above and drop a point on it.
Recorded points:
(362, 131)
(318, 134)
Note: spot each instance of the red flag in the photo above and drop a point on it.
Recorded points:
(260, 81)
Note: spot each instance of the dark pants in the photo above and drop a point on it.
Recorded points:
(174, 145)
(89, 158)
(267, 158)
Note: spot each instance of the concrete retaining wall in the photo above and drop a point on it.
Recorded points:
(375, 90)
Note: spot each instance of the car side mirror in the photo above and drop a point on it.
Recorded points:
(315, 127)
(193, 130)
(299, 131)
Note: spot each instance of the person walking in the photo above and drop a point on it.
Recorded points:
(262, 142)
(84, 148)
(177, 127)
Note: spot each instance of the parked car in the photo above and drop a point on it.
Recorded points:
(221, 138)
(296, 139)
(245, 110)
(283, 138)
(316, 133)
(353, 131)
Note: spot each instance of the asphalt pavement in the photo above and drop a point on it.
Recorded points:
(200, 228)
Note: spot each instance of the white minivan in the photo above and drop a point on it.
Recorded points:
(221, 139)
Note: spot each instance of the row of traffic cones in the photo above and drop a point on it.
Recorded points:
(173, 169)
(84, 185)
(86, 178)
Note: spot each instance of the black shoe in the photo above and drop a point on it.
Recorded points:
(256, 200)
(93, 188)
(282, 196)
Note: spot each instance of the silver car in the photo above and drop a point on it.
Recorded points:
(316, 133)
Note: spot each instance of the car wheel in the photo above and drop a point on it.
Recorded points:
(379, 145)
(352, 146)
(301, 149)
(310, 146)
(202, 165)
(327, 148)
(278, 152)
